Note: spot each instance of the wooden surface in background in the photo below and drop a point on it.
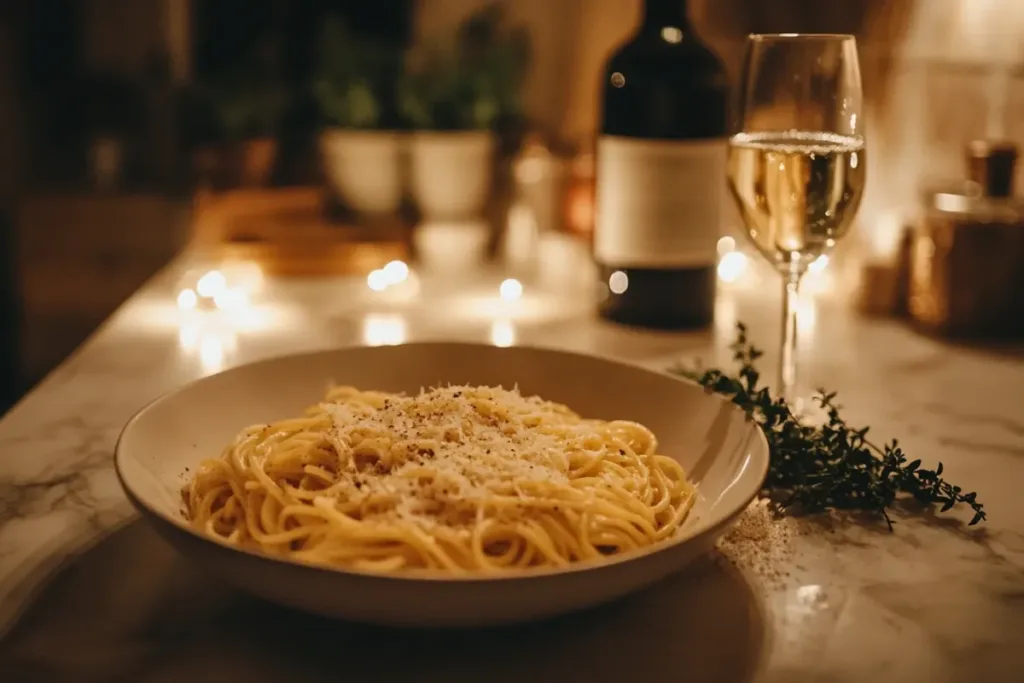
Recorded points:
(287, 232)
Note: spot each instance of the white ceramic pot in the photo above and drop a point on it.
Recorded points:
(451, 173)
(364, 168)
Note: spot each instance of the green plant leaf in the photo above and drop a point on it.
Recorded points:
(355, 82)
(813, 468)
(473, 80)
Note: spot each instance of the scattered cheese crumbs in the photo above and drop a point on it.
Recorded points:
(761, 543)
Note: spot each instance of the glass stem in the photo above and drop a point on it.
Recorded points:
(787, 361)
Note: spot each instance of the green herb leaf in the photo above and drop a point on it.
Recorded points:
(832, 466)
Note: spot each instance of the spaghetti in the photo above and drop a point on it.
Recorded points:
(461, 479)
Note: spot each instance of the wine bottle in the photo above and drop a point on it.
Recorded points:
(660, 176)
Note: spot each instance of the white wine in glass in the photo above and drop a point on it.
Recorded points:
(796, 163)
(798, 191)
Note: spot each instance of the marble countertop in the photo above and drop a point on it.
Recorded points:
(88, 593)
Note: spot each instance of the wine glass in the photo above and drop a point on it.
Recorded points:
(796, 159)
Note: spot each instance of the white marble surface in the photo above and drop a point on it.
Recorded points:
(88, 594)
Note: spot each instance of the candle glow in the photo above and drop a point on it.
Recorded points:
(510, 290)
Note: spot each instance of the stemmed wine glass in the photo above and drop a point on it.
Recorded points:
(796, 159)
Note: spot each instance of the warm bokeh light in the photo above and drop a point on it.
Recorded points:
(225, 299)
(377, 280)
(247, 275)
(511, 290)
(384, 330)
(503, 333)
(229, 286)
(732, 266)
(211, 353)
(483, 306)
(231, 299)
(726, 245)
(188, 335)
(211, 284)
(807, 318)
(618, 282)
(884, 236)
(395, 272)
(187, 299)
(820, 277)
(214, 310)
(211, 340)
(819, 264)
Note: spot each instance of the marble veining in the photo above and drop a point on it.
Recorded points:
(88, 593)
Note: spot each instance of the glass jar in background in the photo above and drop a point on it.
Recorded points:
(579, 196)
(967, 252)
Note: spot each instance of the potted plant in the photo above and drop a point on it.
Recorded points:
(239, 110)
(360, 143)
(455, 96)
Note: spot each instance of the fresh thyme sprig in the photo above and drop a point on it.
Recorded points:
(814, 468)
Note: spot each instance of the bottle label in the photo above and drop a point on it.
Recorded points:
(659, 202)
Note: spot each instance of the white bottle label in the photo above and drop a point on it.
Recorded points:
(659, 202)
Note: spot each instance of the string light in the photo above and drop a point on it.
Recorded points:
(213, 291)
(187, 299)
(732, 266)
(211, 284)
(377, 280)
(510, 290)
(671, 34)
(618, 282)
(214, 307)
(394, 273)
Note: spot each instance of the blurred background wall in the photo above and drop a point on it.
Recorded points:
(937, 74)
(76, 73)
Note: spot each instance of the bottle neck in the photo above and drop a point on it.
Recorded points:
(659, 14)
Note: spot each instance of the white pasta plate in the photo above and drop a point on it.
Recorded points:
(723, 454)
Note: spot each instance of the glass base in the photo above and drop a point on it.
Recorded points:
(806, 409)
